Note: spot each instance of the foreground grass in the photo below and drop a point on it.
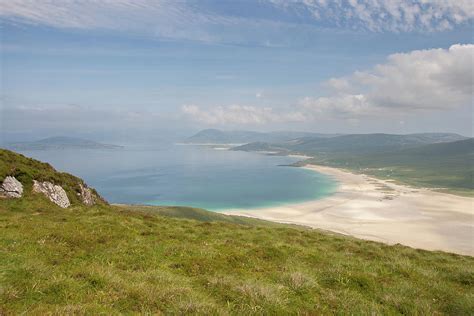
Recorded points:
(111, 260)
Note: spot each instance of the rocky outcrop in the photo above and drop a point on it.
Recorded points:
(11, 188)
(86, 195)
(55, 193)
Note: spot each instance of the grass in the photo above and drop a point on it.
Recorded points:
(454, 177)
(110, 259)
(199, 215)
(114, 260)
(26, 170)
(447, 167)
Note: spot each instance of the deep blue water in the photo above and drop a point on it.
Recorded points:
(190, 175)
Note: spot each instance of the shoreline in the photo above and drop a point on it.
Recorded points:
(381, 210)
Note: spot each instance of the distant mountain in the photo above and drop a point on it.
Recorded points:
(60, 143)
(354, 143)
(448, 165)
(261, 147)
(440, 149)
(215, 136)
(428, 160)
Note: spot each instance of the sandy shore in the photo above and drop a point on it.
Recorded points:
(379, 210)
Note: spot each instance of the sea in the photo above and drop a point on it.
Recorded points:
(191, 175)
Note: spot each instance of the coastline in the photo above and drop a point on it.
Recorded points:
(380, 210)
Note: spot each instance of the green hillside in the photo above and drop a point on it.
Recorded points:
(108, 259)
(417, 159)
(215, 136)
(446, 166)
(358, 143)
(26, 170)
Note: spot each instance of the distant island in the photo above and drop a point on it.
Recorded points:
(216, 136)
(60, 142)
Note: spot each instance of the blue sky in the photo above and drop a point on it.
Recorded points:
(105, 68)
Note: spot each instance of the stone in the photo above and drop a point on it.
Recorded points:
(11, 188)
(54, 193)
(86, 195)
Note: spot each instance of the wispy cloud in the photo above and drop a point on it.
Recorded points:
(209, 22)
(384, 15)
(167, 19)
(407, 83)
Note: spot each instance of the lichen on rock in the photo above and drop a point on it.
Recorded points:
(11, 188)
(55, 193)
(86, 195)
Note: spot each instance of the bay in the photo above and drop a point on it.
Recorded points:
(198, 176)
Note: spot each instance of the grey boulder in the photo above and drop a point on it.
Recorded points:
(11, 188)
(54, 193)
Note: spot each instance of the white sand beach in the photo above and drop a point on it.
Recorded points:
(373, 209)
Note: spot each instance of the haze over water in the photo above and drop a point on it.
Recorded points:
(191, 176)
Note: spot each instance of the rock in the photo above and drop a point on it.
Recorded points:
(55, 193)
(11, 188)
(86, 195)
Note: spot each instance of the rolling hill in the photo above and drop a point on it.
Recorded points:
(60, 142)
(107, 259)
(427, 160)
(355, 143)
(215, 136)
(444, 166)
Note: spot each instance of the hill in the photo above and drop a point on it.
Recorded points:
(444, 166)
(26, 170)
(215, 136)
(355, 143)
(262, 147)
(107, 259)
(60, 142)
(426, 160)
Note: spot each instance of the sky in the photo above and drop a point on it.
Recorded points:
(115, 69)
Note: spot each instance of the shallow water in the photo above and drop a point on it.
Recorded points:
(191, 175)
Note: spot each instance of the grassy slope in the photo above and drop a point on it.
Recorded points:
(444, 165)
(126, 259)
(26, 170)
(197, 214)
(449, 166)
(112, 260)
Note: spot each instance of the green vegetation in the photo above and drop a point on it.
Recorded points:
(444, 166)
(409, 159)
(26, 170)
(135, 259)
(215, 136)
(197, 214)
(108, 259)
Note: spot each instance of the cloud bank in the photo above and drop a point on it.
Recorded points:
(238, 114)
(407, 83)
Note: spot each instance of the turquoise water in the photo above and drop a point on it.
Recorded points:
(191, 175)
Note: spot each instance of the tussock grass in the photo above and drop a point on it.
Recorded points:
(175, 260)
(111, 260)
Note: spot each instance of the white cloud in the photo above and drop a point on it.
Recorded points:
(424, 79)
(407, 83)
(206, 22)
(385, 15)
(239, 114)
